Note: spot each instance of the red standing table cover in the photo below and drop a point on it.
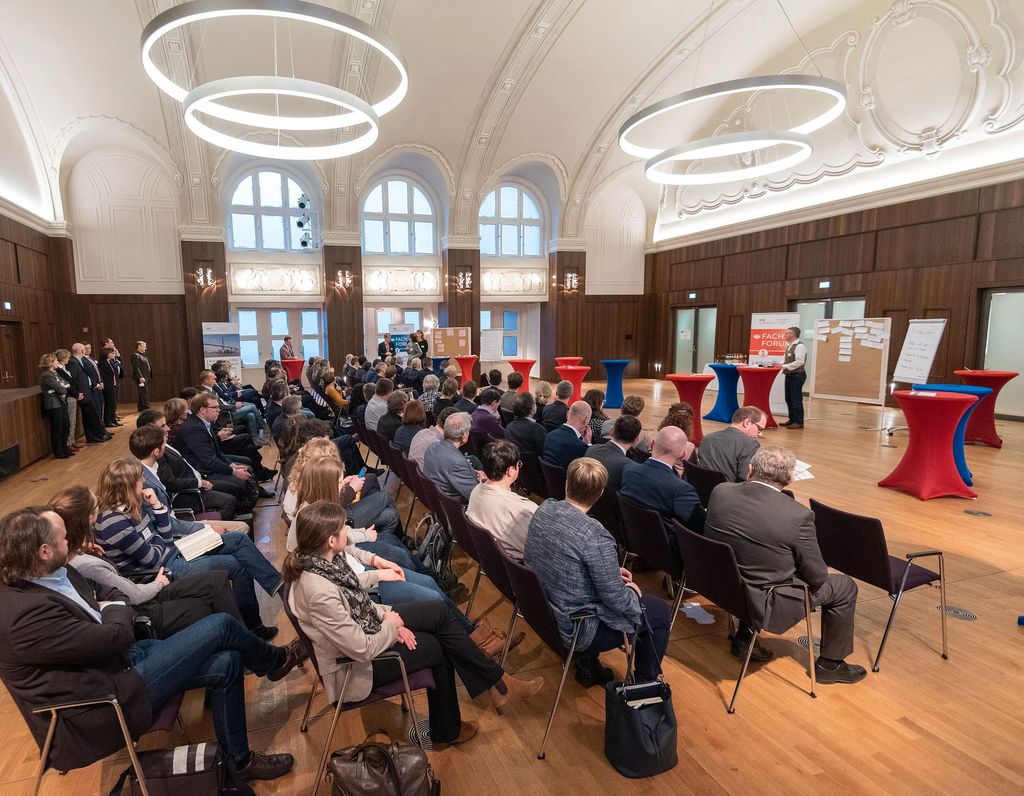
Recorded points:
(981, 425)
(690, 387)
(523, 367)
(466, 366)
(560, 361)
(294, 368)
(757, 390)
(574, 374)
(927, 469)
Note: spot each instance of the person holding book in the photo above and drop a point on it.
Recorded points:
(137, 541)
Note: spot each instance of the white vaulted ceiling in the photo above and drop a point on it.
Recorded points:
(499, 87)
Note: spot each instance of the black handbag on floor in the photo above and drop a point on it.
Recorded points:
(197, 769)
(639, 723)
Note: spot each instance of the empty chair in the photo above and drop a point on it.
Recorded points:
(554, 480)
(712, 571)
(703, 479)
(855, 546)
(647, 536)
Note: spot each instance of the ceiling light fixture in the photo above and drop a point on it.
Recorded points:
(722, 146)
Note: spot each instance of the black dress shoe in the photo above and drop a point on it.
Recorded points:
(267, 475)
(845, 673)
(262, 766)
(794, 425)
(265, 493)
(760, 654)
(61, 456)
(294, 654)
(591, 673)
(787, 423)
(107, 436)
(265, 632)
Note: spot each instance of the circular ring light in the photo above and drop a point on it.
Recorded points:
(204, 97)
(725, 145)
(297, 10)
(822, 85)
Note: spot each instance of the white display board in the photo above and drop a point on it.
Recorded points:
(919, 349)
(490, 345)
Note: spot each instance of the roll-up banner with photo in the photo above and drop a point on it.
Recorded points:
(221, 341)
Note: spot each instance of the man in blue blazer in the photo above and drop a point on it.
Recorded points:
(571, 439)
(656, 485)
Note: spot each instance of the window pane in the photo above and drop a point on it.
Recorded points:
(485, 319)
(294, 192)
(243, 231)
(375, 201)
(243, 193)
(420, 204)
(531, 241)
(509, 239)
(530, 207)
(411, 316)
(373, 236)
(398, 196)
(251, 352)
(278, 324)
(270, 189)
(310, 322)
(275, 346)
(384, 320)
(398, 240)
(510, 346)
(509, 202)
(273, 231)
(488, 239)
(510, 320)
(310, 347)
(487, 208)
(423, 234)
(247, 322)
(294, 233)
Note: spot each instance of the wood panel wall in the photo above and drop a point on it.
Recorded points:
(343, 305)
(461, 307)
(207, 304)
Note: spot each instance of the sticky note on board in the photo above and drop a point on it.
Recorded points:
(844, 357)
(872, 344)
(876, 325)
(822, 338)
(860, 328)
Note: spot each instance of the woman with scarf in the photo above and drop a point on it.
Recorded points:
(341, 620)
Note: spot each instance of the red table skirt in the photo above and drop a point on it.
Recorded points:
(574, 374)
(757, 390)
(690, 387)
(981, 425)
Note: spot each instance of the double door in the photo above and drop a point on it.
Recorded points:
(694, 339)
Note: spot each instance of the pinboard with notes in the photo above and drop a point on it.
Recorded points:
(452, 341)
(850, 359)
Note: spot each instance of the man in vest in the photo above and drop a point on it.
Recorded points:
(793, 367)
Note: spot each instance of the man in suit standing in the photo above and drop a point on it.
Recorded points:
(774, 540)
(793, 365)
(612, 454)
(555, 412)
(118, 367)
(286, 351)
(445, 465)
(485, 417)
(83, 385)
(142, 373)
(656, 485)
(93, 369)
(570, 440)
(730, 450)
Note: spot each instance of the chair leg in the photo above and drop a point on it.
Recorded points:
(412, 505)
(181, 727)
(131, 749)
(888, 627)
(472, 593)
(743, 672)
(942, 605)
(508, 635)
(680, 591)
(46, 752)
(561, 685)
(810, 641)
(407, 696)
(309, 705)
(330, 733)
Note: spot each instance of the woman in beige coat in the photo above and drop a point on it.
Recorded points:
(341, 620)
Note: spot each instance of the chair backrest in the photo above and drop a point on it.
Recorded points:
(397, 460)
(554, 479)
(711, 570)
(478, 441)
(702, 479)
(286, 591)
(506, 416)
(532, 603)
(853, 544)
(608, 512)
(455, 519)
(491, 558)
(427, 492)
(646, 535)
(531, 476)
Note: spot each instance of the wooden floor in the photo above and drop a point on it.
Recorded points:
(921, 725)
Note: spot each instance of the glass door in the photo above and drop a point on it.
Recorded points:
(811, 311)
(694, 339)
(1001, 348)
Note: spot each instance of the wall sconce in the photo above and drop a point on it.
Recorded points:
(572, 280)
(343, 279)
(205, 278)
(464, 280)
(657, 367)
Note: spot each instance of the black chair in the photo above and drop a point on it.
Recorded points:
(855, 545)
(554, 479)
(647, 536)
(403, 687)
(530, 475)
(712, 570)
(478, 440)
(364, 437)
(456, 522)
(492, 561)
(702, 479)
(533, 604)
(410, 479)
(608, 512)
(506, 417)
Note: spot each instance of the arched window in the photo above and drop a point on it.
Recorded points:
(398, 218)
(510, 223)
(270, 211)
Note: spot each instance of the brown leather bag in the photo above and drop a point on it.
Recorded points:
(382, 769)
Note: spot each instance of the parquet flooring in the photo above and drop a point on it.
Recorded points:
(921, 725)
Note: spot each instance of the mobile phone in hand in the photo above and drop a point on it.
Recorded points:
(361, 473)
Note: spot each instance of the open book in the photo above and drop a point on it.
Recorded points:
(195, 544)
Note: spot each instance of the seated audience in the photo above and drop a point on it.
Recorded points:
(774, 540)
(555, 412)
(485, 418)
(428, 436)
(656, 484)
(467, 403)
(594, 398)
(333, 393)
(494, 380)
(633, 406)
(377, 406)
(570, 440)
(135, 541)
(446, 466)
(508, 398)
(449, 395)
(578, 565)
(612, 454)
(243, 413)
(340, 620)
(494, 506)
(525, 431)
(392, 419)
(414, 420)
(63, 636)
(680, 415)
(369, 390)
(291, 406)
(542, 395)
(731, 450)
(431, 393)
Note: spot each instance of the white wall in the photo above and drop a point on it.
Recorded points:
(615, 242)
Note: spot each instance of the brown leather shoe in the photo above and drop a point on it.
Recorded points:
(514, 690)
(468, 731)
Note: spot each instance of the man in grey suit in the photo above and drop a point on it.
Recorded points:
(612, 454)
(730, 450)
(445, 465)
(774, 540)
